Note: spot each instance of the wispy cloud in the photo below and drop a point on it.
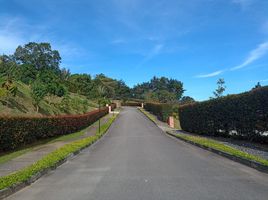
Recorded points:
(16, 31)
(255, 54)
(264, 80)
(154, 51)
(118, 41)
(216, 73)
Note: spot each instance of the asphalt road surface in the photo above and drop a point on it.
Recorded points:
(137, 161)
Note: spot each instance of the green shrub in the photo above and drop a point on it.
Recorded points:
(136, 104)
(161, 110)
(240, 116)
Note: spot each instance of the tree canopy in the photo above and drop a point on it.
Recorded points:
(161, 89)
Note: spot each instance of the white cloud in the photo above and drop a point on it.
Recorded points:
(255, 54)
(216, 73)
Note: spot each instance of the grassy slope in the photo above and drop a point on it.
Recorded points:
(22, 104)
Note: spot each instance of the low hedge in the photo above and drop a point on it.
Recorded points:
(18, 131)
(161, 110)
(240, 116)
(136, 104)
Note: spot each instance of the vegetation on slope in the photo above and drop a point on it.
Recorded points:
(23, 103)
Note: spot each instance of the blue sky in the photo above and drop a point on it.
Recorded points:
(195, 41)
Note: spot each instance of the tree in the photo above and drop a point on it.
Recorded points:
(186, 100)
(220, 89)
(166, 97)
(8, 72)
(258, 85)
(80, 83)
(107, 83)
(39, 55)
(156, 87)
(27, 73)
(122, 91)
(39, 91)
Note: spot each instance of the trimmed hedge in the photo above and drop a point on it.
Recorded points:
(161, 110)
(242, 116)
(18, 131)
(136, 104)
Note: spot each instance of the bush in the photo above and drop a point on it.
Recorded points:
(161, 110)
(240, 116)
(136, 104)
(18, 131)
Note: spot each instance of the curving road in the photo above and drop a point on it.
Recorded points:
(137, 161)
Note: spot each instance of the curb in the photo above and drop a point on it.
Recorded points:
(148, 117)
(253, 164)
(15, 188)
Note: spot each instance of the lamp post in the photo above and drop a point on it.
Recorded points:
(99, 118)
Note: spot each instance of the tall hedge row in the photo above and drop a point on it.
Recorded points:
(18, 131)
(243, 116)
(161, 110)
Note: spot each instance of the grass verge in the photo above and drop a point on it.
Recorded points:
(51, 159)
(149, 115)
(221, 147)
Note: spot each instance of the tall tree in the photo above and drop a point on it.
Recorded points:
(220, 89)
(39, 55)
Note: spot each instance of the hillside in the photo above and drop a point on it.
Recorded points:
(23, 104)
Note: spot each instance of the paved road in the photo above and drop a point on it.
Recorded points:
(137, 161)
